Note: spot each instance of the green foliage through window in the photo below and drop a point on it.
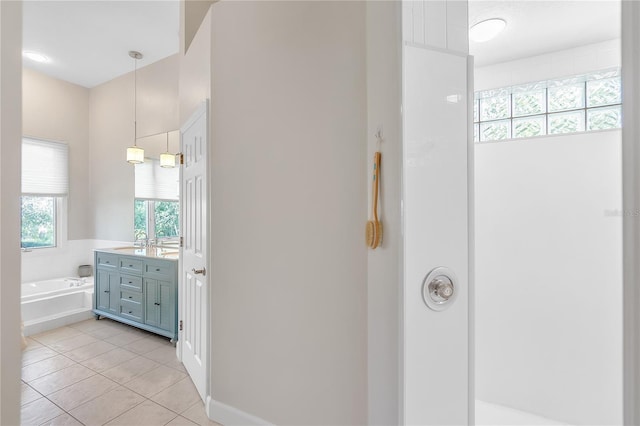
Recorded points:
(140, 219)
(167, 219)
(156, 219)
(38, 222)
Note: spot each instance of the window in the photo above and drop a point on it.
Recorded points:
(578, 104)
(45, 184)
(156, 208)
(157, 219)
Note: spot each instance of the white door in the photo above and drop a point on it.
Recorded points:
(437, 388)
(194, 309)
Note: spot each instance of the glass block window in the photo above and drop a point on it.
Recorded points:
(529, 102)
(581, 103)
(566, 122)
(495, 108)
(604, 118)
(527, 127)
(495, 130)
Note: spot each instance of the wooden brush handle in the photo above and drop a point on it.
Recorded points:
(376, 184)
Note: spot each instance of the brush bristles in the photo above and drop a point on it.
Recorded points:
(370, 233)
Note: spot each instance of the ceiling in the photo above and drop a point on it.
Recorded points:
(88, 41)
(535, 27)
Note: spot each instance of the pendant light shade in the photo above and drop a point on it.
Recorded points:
(135, 154)
(167, 160)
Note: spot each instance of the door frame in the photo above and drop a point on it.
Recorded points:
(630, 35)
(203, 108)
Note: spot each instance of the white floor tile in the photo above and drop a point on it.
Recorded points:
(81, 392)
(147, 413)
(488, 414)
(38, 412)
(106, 407)
(61, 379)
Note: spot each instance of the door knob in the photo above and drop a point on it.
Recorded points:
(202, 271)
(439, 288)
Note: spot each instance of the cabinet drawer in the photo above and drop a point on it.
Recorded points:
(159, 269)
(107, 260)
(129, 296)
(128, 264)
(130, 283)
(131, 310)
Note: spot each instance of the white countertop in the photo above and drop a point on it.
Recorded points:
(169, 253)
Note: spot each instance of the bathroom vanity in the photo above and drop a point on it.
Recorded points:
(139, 287)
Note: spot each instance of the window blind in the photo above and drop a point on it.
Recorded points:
(45, 168)
(156, 183)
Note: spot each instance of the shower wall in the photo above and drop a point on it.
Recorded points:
(549, 283)
(549, 261)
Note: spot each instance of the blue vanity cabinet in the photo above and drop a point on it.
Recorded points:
(107, 291)
(141, 291)
(159, 304)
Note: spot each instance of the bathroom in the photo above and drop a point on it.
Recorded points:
(346, 327)
(94, 117)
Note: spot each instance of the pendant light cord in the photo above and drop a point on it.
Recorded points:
(135, 101)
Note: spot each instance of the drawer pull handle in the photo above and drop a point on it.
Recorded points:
(130, 312)
(130, 266)
(157, 304)
(107, 262)
(130, 282)
(157, 269)
(130, 297)
(107, 291)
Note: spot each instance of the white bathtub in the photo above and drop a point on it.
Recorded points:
(54, 303)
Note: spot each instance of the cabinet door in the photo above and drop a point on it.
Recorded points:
(151, 303)
(167, 308)
(160, 309)
(108, 294)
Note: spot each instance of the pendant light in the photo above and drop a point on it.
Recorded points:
(135, 154)
(167, 160)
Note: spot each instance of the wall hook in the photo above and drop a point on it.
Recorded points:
(379, 138)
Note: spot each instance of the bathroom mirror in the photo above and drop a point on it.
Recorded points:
(157, 198)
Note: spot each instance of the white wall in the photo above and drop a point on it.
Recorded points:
(195, 69)
(10, 142)
(631, 203)
(289, 263)
(111, 132)
(56, 110)
(436, 358)
(540, 212)
(559, 64)
(384, 92)
(549, 283)
(40, 265)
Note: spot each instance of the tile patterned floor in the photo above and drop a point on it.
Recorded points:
(106, 373)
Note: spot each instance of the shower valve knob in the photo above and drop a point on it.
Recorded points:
(439, 288)
(443, 288)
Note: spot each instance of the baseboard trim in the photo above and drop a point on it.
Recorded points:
(231, 416)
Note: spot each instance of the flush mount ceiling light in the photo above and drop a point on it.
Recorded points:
(167, 160)
(35, 56)
(135, 154)
(487, 29)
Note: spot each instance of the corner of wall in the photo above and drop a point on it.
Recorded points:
(11, 136)
(384, 97)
